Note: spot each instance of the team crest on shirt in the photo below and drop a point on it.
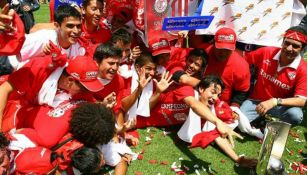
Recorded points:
(56, 113)
(291, 75)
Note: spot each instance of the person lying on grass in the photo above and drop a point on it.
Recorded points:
(210, 88)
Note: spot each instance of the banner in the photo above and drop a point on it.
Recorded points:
(157, 10)
(255, 21)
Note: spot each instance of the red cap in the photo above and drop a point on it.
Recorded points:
(85, 70)
(34, 160)
(159, 47)
(225, 38)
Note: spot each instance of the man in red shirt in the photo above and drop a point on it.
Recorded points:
(281, 86)
(225, 62)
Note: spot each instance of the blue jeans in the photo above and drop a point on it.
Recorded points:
(292, 115)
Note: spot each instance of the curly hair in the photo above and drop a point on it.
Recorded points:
(92, 124)
(4, 142)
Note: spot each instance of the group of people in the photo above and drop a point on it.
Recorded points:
(80, 90)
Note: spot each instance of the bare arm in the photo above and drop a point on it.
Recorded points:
(188, 80)
(5, 89)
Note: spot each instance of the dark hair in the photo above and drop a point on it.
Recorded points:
(86, 159)
(92, 124)
(4, 142)
(199, 53)
(144, 58)
(65, 11)
(121, 35)
(210, 79)
(85, 3)
(299, 29)
(106, 50)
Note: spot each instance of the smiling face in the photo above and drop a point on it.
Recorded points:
(290, 50)
(92, 13)
(108, 67)
(194, 65)
(68, 31)
(150, 69)
(210, 95)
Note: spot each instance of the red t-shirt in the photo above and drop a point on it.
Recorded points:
(234, 73)
(170, 110)
(102, 35)
(116, 85)
(28, 80)
(288, 82)
(45, 125)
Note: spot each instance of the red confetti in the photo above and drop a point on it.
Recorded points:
(180, 172)
(153, 161)
(211, 174)
(151, 136)
(140, 157)
(164, 162)
(293, 134)
(148, 143)
(138, 173)
(300, 151)
(223, 161)
(143, 151)
(291, 153)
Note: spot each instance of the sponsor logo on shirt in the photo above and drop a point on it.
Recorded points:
(268, 62)
(274, 80)
(174, 107)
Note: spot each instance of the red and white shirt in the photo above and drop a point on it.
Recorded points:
(234, 72)
(116, 85)
(170, 109)
(276, 81)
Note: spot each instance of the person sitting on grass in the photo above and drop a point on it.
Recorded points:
(210, 89)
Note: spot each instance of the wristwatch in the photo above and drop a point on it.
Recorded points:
(279, 101)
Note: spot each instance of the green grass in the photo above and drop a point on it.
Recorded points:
(169, 148)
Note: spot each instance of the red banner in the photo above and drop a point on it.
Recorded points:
(157, 10)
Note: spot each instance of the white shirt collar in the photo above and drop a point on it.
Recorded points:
(295, 63)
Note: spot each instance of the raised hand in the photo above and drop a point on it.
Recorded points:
(164, 82)
(6, 17)
(143, 81)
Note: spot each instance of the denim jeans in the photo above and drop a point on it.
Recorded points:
(292, 115)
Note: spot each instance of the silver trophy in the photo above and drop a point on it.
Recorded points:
(275, 138)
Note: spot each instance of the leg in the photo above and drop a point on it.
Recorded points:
(249, 109)
(292, 115)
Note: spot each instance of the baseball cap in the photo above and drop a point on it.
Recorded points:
(225, 38)
(85, 70)
(159, 47)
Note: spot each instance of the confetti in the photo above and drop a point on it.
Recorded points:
(164, 162)
(147, 139)
(148, 143)
(140, 157)
(153, 161)
(223, 161)
(196, 166)
(138, 173)
(197, 172)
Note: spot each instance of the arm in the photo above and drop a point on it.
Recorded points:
(205, 113)
(182, 78)
(5, 89)
(121, 168)
(128, 101)
(264, 106)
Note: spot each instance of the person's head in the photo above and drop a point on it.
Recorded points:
(293, 43)
(145, 62)
(87, 160)
(92, 124)
(210, 88)
(81, 75)
(121, 38)
(68, 25)
(224, 43)
(92, 11)
(161, 51)
(4, 155)
(196, 62)
(108, 58)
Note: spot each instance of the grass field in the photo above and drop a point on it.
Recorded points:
(168, 149)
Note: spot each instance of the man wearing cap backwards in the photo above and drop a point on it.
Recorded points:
(281, 86)
(43, 81)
